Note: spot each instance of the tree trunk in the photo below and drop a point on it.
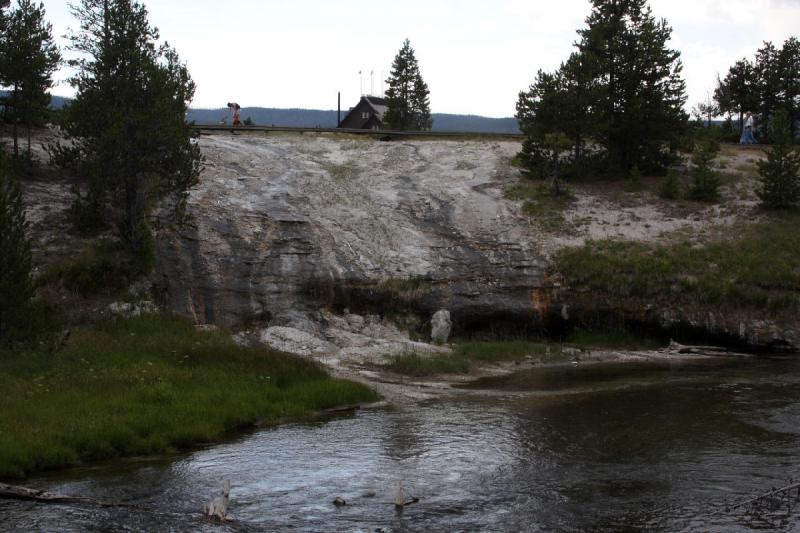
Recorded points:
(16, 119)
(28, 124)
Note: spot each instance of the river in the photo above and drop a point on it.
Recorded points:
(657, 446)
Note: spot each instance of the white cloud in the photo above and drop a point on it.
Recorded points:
(475, 55)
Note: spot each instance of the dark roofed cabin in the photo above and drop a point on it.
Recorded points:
(367, 115)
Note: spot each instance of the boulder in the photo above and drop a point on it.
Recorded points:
(441, 325)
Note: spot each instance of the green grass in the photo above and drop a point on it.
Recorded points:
(466, 353)
(539, 203)
(507, 350)
(148, 385)
(414, 364)
(758, 269)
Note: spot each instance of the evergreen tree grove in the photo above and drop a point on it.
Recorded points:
(127, 122)
(407, 98)
(622, 90)
(767, 85)
(30, 59)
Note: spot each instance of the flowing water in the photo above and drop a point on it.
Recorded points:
(599, 447)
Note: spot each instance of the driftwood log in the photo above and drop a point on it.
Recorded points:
(675, 347)
(24, 493)
(781, 492)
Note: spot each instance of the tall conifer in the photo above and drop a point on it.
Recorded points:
(16, 286)
(31, 58)
(780, 171)
(407, 98)
(622, 89)
(127, 122)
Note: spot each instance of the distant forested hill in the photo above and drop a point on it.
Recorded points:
(311, 118)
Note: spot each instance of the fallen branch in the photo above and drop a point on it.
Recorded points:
(699, 350)
(774, 492)
(24, 493)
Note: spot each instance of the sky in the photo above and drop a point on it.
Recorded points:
(475, 55)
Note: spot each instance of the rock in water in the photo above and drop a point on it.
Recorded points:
(441, 326)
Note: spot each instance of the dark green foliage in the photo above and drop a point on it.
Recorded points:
(148, 385)
(414, 364)
(634, 180)
(30, 57)
(671, 187)
(780, 172)
(554, 115)
(407, 98)
(16, 286)
(736, 93)
(541, 157)
(768, 84)
(789, 79)
(127, 123)
(641, 96)
(541, 205)
(248, 122)
(622, 89)
(102, 268)
(705, 180)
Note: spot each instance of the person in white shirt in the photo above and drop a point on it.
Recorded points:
(747, 132)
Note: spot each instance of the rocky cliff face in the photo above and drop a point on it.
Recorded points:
(286, 225)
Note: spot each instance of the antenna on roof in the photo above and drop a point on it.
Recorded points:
(360, 83)
(372, 82)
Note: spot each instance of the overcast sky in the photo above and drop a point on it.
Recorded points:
(475, 55)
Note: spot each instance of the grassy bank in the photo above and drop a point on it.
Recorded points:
(466, 354)
(758, 269)
(147, 385)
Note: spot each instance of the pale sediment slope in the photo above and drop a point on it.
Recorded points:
(288, 224)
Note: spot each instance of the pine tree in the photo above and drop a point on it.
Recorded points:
(16, 286)
(705, 180)
(768, 84)
(767, 72)
(557, 103)
(30, 58)
(3, 26)
(780, 172)
(789, 79)
(736, 94)
(639, 107)
(407, 98)
(622, 88)
(127, 122)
